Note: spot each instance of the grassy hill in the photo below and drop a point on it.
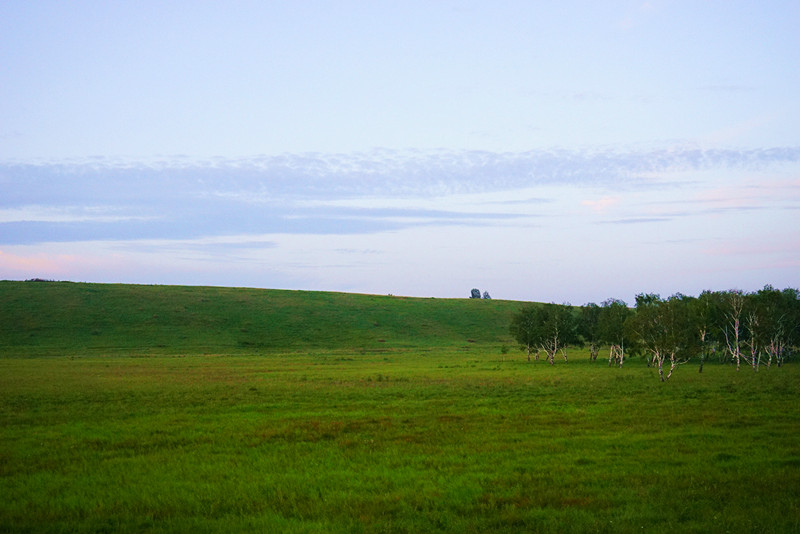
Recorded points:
(307, 426)
(54, 318)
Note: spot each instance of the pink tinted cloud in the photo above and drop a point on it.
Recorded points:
(776, 185)
(56, 264)
(39, 264)
(729, 198)
(602, 205)
(751, 194)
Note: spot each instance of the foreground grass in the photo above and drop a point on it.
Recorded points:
(450, 441)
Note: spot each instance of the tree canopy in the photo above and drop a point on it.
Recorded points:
(547, 328)
(758, 328)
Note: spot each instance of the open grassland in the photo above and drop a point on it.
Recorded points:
(46, 318)
(389, 437)
(401, 442)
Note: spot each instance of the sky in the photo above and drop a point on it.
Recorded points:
(540, 151)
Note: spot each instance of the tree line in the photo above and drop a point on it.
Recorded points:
(741, 328)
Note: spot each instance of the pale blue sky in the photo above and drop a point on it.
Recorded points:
(552, 151)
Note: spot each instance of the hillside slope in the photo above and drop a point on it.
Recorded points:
(58, 318)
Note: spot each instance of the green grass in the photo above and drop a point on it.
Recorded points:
(412, 442)
(429, 434)
(43, 318)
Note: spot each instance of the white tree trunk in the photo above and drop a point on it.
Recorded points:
(658, 359)
(615, 355)
(735, 315)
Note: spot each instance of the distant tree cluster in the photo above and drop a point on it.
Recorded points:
(476, 294)
(546, 328)
(753, 329)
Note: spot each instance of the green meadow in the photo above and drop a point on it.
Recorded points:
(178, 409)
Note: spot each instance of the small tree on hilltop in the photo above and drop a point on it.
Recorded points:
(475, 293)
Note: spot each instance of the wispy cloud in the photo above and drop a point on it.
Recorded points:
(751, 195)
(380, 172)
(99, 198)
(359, 221)
(640, 220)
(67, 214)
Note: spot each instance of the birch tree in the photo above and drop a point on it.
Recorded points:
(611, 326)
(752, 340)
(733, 327)
(557, 330)
(665, 331)
(774, 319)
(548, 328)
(705, 315)
(588, 328)
(525, 329)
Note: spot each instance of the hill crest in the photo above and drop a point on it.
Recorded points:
(58, 318)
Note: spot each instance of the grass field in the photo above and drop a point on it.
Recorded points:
(391, 437)
(49, 318)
